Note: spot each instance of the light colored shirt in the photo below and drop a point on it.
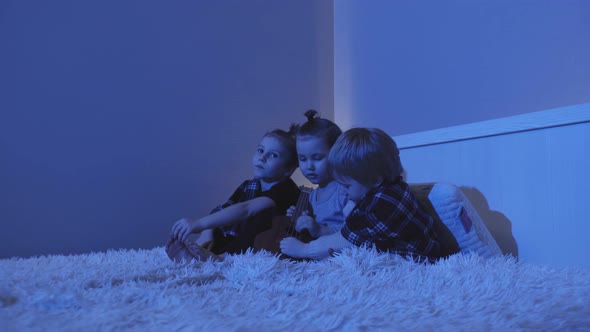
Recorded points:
(331, 206)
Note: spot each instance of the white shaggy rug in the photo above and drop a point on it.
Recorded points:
(358, 290)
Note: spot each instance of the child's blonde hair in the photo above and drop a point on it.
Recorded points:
(366, 155)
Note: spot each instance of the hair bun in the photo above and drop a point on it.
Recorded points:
(310, 114)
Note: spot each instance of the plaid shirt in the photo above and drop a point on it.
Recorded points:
(389, 218)
(248, 190)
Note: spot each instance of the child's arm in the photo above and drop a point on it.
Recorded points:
(315, 229)
(320, 248)
(324, 230)
(306, 222)
(228, 216)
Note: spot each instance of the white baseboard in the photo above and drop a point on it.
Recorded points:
(562, 116)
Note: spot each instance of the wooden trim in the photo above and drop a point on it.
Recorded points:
(530, 121)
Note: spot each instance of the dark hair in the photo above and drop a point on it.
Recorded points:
(316, 126)
(287, 138)
(365, 155)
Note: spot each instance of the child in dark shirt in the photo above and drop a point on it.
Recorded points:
(233, 226)
(365, 161)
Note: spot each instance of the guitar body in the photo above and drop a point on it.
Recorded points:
(283, 226)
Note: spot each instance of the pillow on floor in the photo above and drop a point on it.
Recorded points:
(461, 218)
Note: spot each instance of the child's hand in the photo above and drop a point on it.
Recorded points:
(290, 211)
(182, 228)
(305, 221)
(290, 246)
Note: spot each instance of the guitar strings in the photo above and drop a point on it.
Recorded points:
(301, 203)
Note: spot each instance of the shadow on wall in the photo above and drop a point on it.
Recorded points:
(496, 222)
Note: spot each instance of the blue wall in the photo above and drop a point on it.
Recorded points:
(410, 66)
(413, 66)
(119, 117)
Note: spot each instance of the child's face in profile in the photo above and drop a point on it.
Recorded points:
(312, 153)
(354, 189)
(270, 160)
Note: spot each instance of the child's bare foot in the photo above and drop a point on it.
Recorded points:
(177, 252)
(198, 252)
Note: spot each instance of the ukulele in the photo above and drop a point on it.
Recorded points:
(283, 226)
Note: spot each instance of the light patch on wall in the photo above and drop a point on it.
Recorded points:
(343, 101)
(343, 75)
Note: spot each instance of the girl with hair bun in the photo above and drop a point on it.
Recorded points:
(328, 201)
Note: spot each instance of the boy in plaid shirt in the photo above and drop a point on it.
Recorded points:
(233, 226)
(366, 162)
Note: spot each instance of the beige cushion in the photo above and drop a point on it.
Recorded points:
(458, 214)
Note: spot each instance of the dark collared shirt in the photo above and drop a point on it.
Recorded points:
(284, 194)
(389, 218)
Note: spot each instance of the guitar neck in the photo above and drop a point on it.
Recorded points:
(302, 203)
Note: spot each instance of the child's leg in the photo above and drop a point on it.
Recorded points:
(294, 248)
(176, 251)
(191, 247)
(197, 251)
(172, 241)
(205, 239)
(246, 232)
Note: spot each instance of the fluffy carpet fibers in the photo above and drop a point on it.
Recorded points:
(358, 290)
